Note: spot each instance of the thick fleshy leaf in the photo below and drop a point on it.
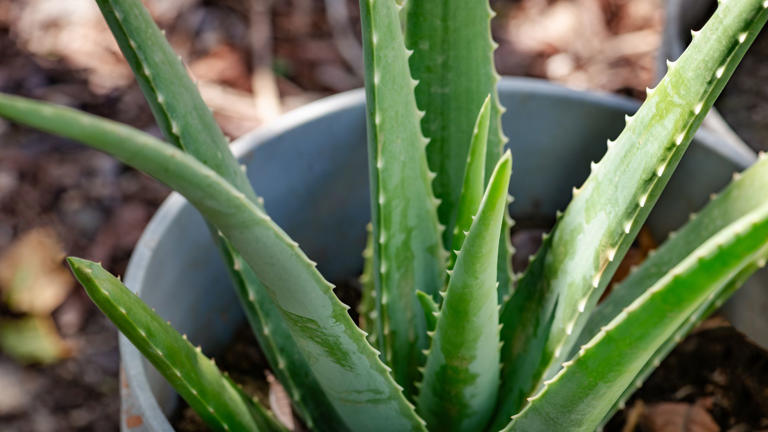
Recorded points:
(367, 307)
(453, 63)
(343, 363)
(188, 123)
(175, 102)
(694, 319)
(579, 396)
(474, 180)
(288, 363)
(610, 207)
(408, 250)
(430, 308)
(218, 400)
(744, 194)
(461, 377)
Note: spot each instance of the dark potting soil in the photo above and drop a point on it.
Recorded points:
(715, 377)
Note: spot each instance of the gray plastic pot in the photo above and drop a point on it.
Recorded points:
(682, 16)
(311, 169)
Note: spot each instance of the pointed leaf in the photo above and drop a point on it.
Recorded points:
(608, 210)
(219, 401)
(744, 194)
(343, 363)
(474, 179)
(174, 99)
(461, 377)
(188, 123)
(430, 309)
(693, 320)
(288, 363)
(453, 63)
(579, 396)
(367, 308)
(408, 251)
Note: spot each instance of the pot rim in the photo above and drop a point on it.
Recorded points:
(141, 397)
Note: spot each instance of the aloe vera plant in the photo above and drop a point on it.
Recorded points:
(449, 338)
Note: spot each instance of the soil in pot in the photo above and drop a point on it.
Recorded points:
(714, 380)
(744, 101)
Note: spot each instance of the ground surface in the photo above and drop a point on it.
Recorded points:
(254, 61)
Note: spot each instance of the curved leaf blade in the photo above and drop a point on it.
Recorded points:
(461, 377)
(188, 123)
(173, 98)
(344, 364)
(408, 250)
(474, 180)
(610, 207)
(218, 400)
(579, 396)
(279, 347)
(744, 194)
(721, 295)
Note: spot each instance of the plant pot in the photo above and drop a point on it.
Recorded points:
(740, 114)
(311, 169)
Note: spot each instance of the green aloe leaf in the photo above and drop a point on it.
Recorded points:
(279, 347)
(714, 302)
(430, 308)
(367, 308)
(585, 389)
(343, 363)
(175, 102)
(744, 194)
(474, 180)
(188, 123)
(218, 400)
(610, 207)
(408, 251)
(453, 63)
(461, 377)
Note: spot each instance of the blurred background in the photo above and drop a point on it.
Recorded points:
(253, 60)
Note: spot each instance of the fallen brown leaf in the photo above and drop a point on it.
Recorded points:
(74, 32)
(280, 402)
(634, 414)
(32, 339)
(677, 417)
(32, 277)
